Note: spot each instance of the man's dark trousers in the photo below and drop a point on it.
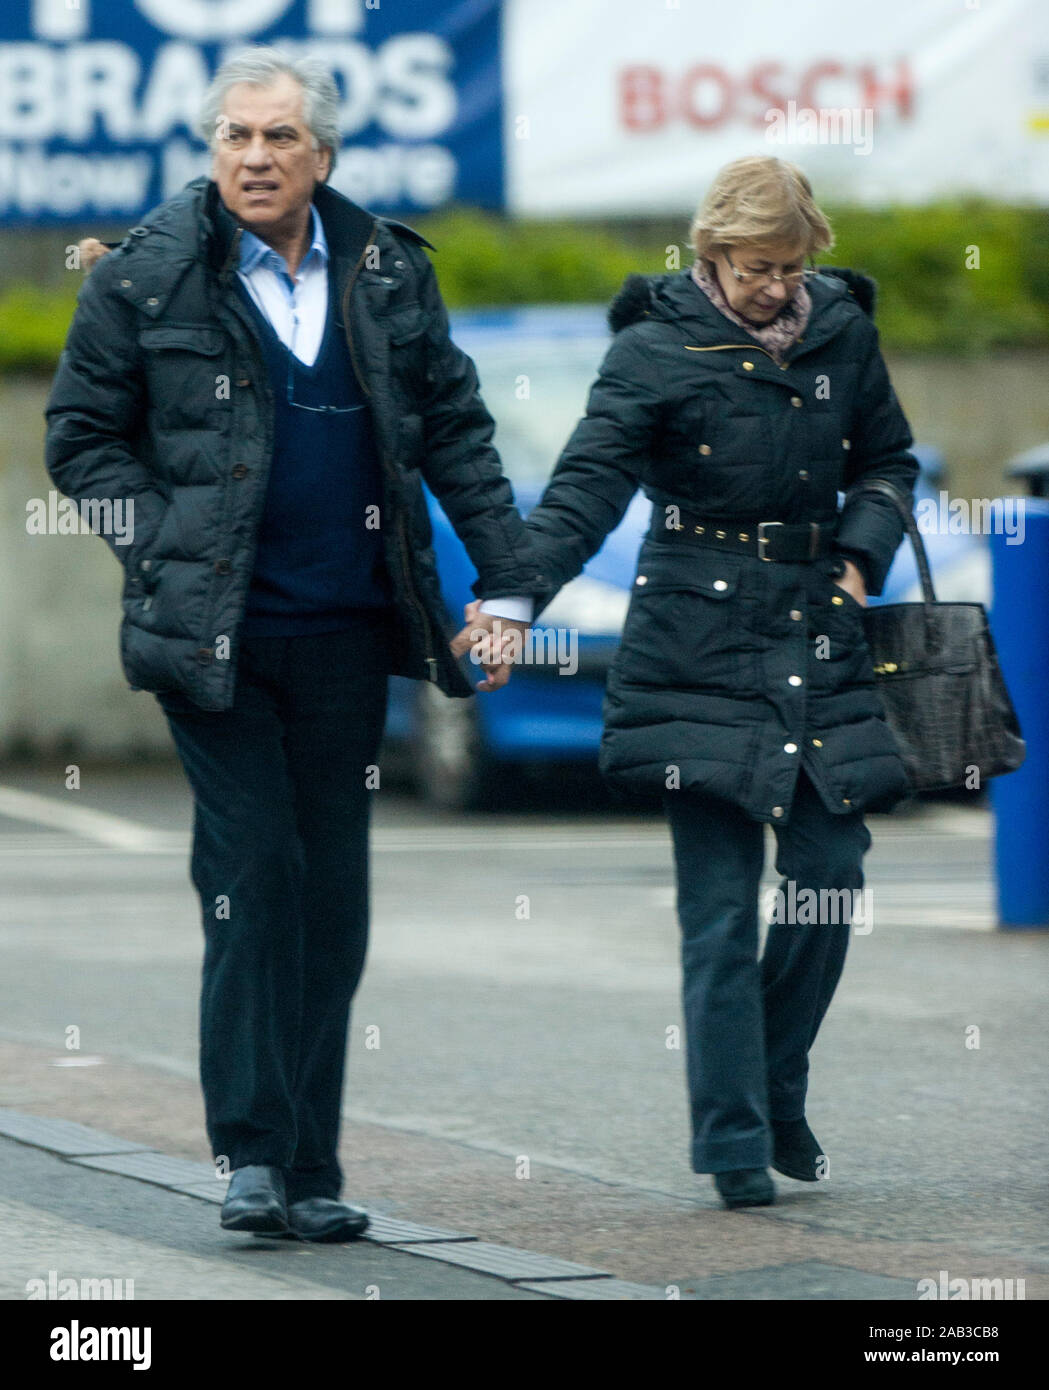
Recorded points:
(280, 860)
(749, 1024)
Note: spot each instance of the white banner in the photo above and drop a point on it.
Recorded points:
(629, 106)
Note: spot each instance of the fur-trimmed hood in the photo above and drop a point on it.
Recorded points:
(643, 296)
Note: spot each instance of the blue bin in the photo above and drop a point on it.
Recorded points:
(1020, 625)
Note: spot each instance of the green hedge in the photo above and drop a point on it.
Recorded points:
(929, 301)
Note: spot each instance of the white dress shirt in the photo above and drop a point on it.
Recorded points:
(297, 308)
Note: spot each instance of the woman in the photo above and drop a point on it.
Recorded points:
(742, 395)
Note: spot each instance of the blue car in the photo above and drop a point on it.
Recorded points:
(536, 366)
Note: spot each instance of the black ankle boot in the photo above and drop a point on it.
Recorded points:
(745, 1187)
(796, 1151)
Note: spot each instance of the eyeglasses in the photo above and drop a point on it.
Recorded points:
(763, 277)
(316, 409)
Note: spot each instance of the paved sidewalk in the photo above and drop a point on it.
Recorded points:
(62, 1220)
(524, 1096)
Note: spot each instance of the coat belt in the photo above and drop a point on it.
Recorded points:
(790, 542)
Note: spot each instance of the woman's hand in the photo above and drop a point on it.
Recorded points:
(853, 583)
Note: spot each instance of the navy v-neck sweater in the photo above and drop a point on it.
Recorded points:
(319, 555)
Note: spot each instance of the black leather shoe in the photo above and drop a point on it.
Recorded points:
(745, 1187)
(255, 1201)
(326, 1219)
(796, 1151)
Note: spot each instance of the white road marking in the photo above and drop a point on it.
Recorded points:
(101, 826)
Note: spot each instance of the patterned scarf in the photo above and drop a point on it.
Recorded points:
(775, 337)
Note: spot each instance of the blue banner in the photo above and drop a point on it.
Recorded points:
(99, 99)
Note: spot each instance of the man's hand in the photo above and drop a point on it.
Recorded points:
(494, 643)
(91, 251)
(853, 583)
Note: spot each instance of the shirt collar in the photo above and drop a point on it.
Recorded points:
(254, 252)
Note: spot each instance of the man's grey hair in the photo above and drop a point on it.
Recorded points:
(262, 67)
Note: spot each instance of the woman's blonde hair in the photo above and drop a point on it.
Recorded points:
(759, 199)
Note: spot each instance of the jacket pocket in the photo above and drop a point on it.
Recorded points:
(185, 338)
(403, 324)
(682, 629)
(187, 375)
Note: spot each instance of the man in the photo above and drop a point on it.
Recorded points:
(264, 370)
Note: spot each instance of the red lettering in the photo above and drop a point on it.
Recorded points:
(693, 80)
(900, 90)
(807, 91)
(641, 98)
(768, 100)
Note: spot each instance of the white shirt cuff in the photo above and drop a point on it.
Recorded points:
(515, 610)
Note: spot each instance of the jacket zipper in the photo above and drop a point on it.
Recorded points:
(261, 376)
(751, 347)
(431, 661)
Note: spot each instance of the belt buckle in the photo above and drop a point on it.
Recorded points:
(763, 540)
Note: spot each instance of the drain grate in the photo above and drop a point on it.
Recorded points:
(504, 1260)
(63, 1136)
(150, 1166)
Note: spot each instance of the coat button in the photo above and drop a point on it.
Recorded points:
(790, 748)
(803, 474)
(817, 743)
(125, 284)
(845, 801)
(748, 366)
(704, 449)
(720, 584)
(239, 470)
(244, 381)
(796, 615)
(146, 565)
(846, 443)
(794, 680)
(152, 301)
(777, 811)
(796, 401)
(641, 579)
(222, 567)
(837, 600)
(398, 265)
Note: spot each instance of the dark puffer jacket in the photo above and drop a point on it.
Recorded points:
(137, 410)
(732, 671)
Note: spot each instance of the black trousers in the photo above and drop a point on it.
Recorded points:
(749, 1025)
(280, 861)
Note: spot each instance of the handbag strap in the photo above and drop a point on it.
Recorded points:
(887, 489)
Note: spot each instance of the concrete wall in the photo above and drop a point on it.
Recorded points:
(61, 687)
(62, 690)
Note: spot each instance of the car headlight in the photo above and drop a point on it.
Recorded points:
(591, 606)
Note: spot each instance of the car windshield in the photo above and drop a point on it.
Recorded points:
(536, 390)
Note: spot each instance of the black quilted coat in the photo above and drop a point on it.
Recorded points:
(734, 671)
(135, 411)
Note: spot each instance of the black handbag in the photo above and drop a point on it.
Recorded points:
(936, 670)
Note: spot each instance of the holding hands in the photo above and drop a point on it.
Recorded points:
(493, 643)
